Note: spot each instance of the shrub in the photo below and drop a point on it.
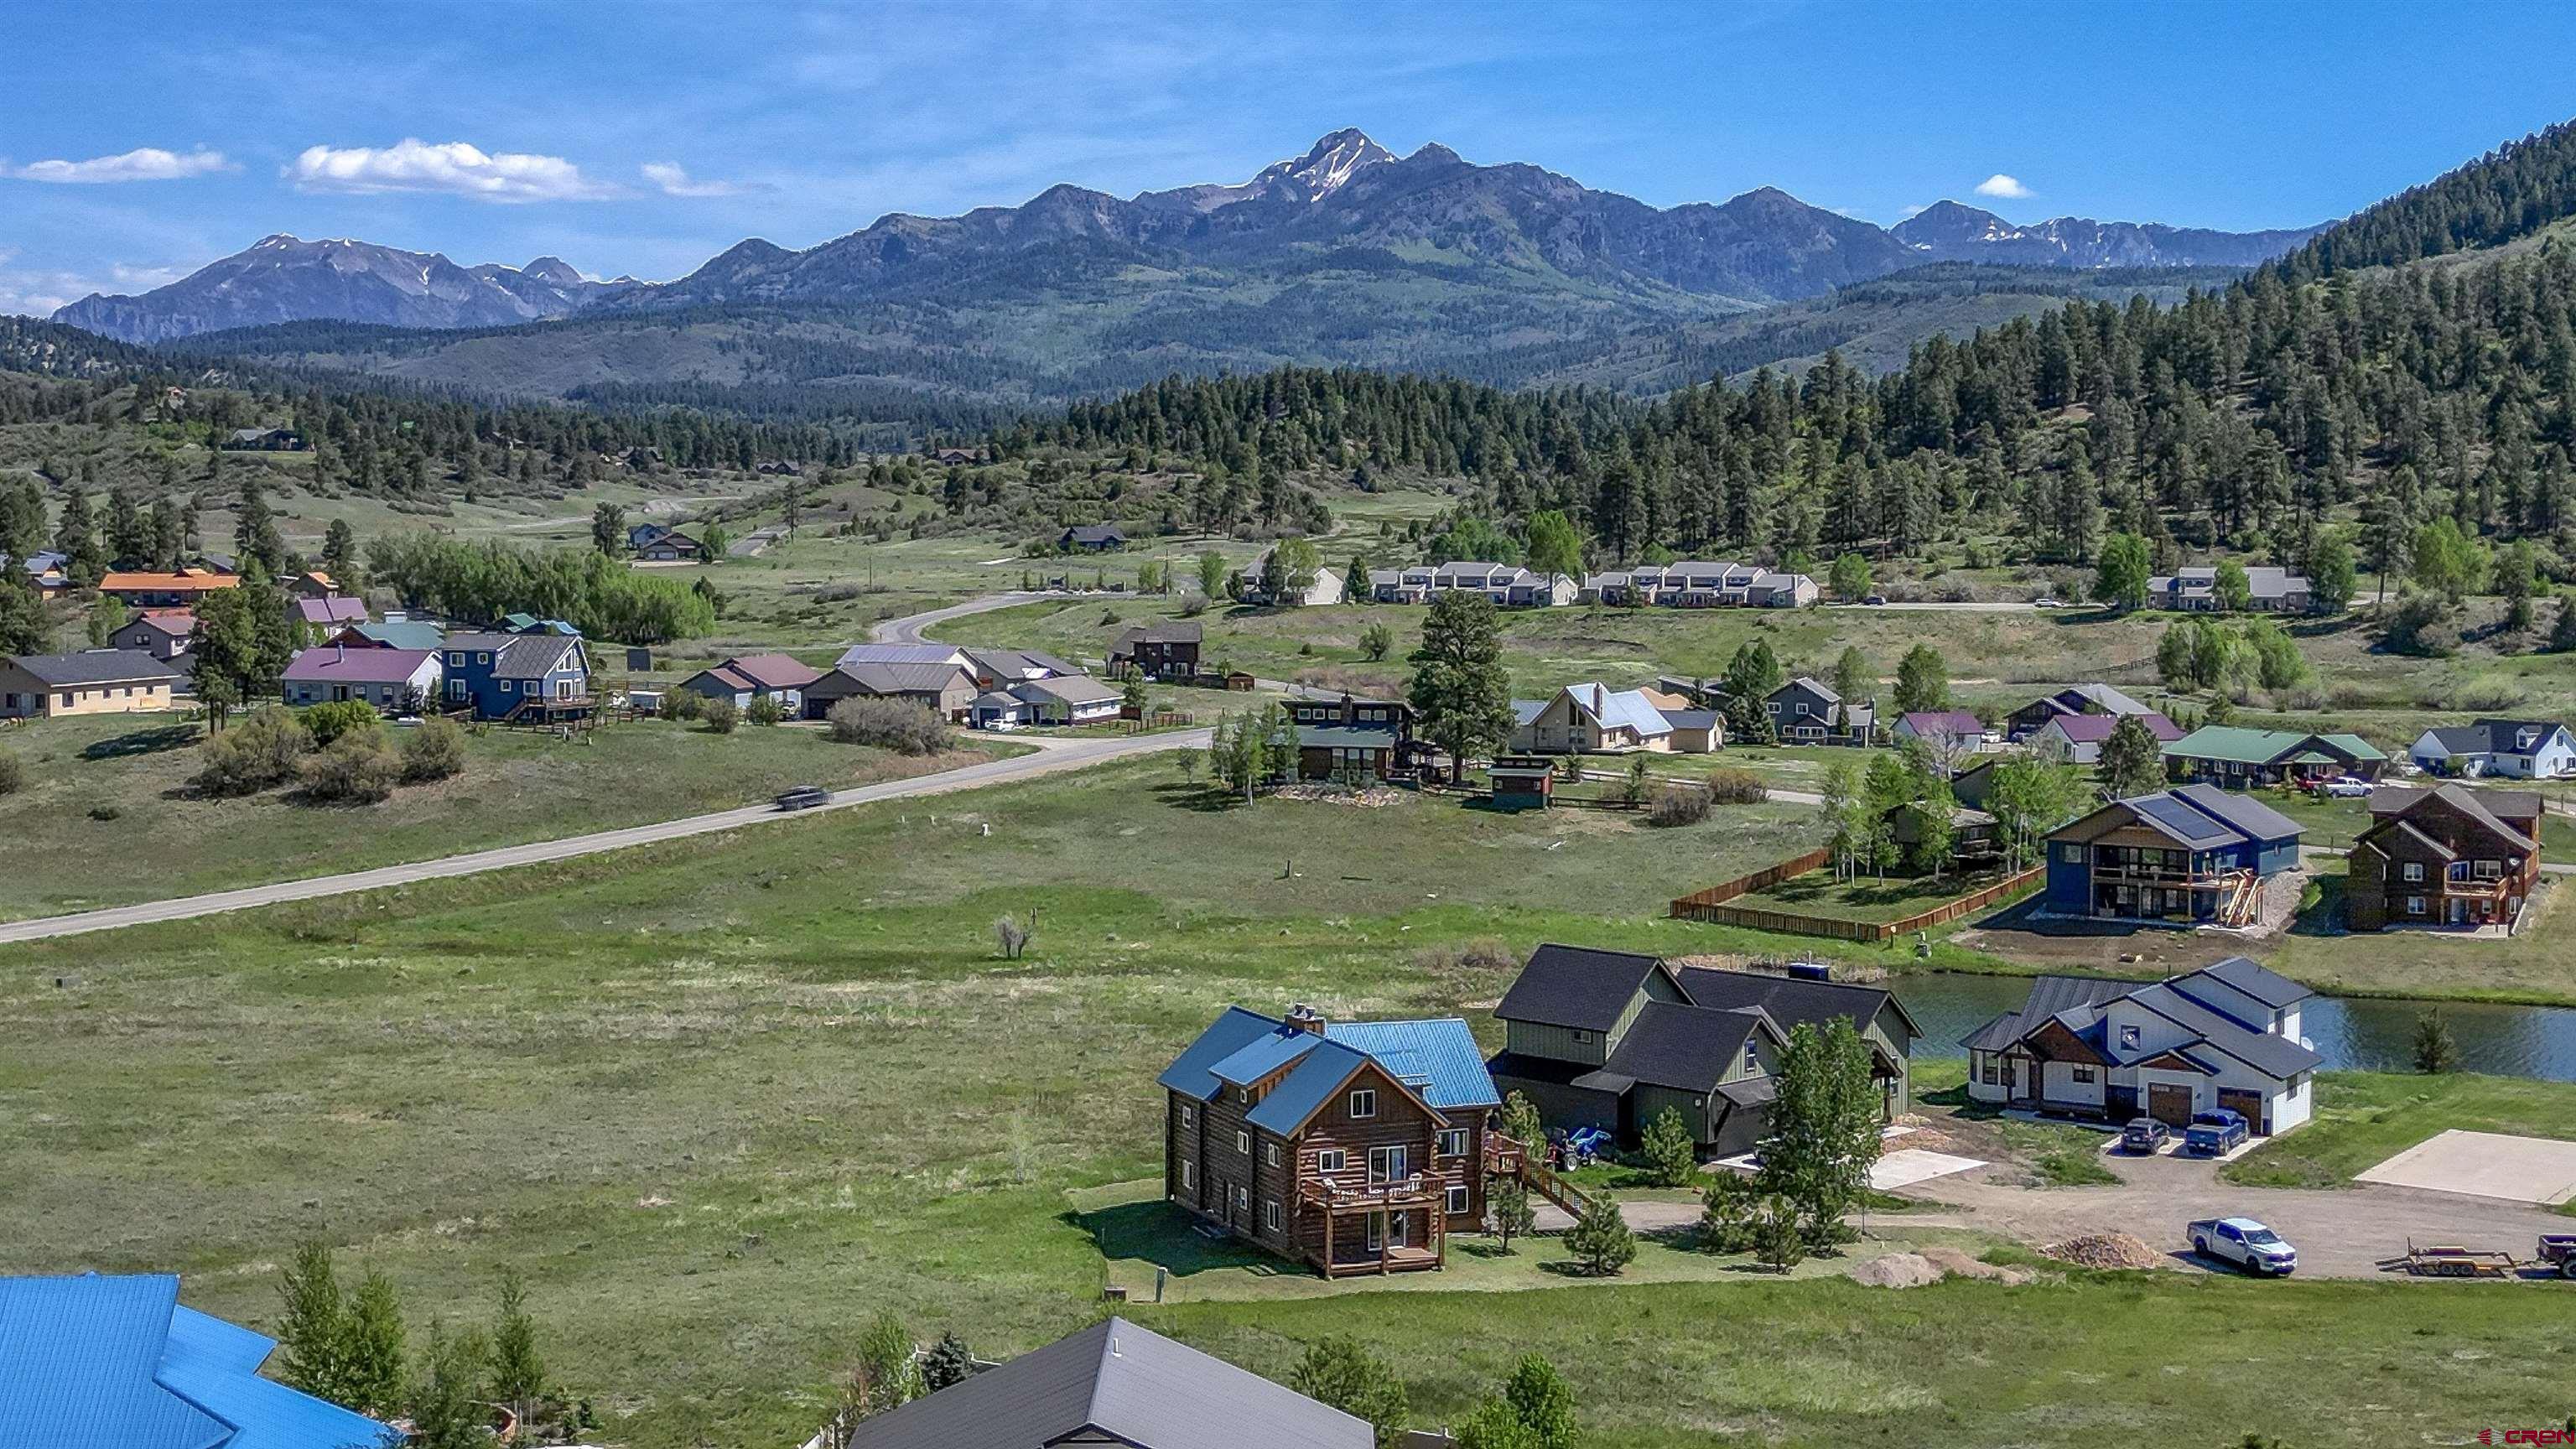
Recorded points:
(1678, 805)
(13, 773)
(434, 751)
(893, 724)
(765, 710)
(358, 768)
(1600, 1239)
(1671, 1156)
(254, 754)
(1776, 1237)
(721, 716)
(1340, 1372)
(683, 704)
(330, 721)
(1737, 787)
(1727, 1212)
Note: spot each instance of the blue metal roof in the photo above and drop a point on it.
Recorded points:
(1263, 1055)
(1437, 1058)
(1309, 1085)
(96, 1362)
(1191, 1071)
(2243, 813)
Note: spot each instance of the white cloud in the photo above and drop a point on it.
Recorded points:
(36, 292)
(455, 168)
(2009, 188)
(1917, 209)
(674, 180)
(150, 163)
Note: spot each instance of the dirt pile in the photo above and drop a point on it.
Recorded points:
(1951, 1260)
(2106, 1250)
(1917, 1270)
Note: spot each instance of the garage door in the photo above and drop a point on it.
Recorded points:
(2169, 1104)
(2249, 1103)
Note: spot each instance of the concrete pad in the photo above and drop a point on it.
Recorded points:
(1914, 1164)
(2484, 1164)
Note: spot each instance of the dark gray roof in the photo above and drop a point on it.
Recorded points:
(1686, 1048)
(2255, 980)
(1789, 999)
(886, 679)
(1575, 986)
(94, 666)
(1119, 1380)
(1751, 1091)
(2240, 810)
(1166, 631)
(2393, 801)
(2277, 1055)
(2049, 995)
(1692, 719)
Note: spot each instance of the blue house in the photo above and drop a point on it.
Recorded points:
(2191, 855)
(527, 678)
(96, 1362)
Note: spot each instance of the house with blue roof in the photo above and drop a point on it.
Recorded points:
(2192, 855)
(92, 1362)
(2224, 1036)
(1352, 1147)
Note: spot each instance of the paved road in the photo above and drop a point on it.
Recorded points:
(907, 630)
(1049, 758)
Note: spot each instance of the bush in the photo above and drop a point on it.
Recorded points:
(1600, 1239)
(1737, 787)
(13, 773)
(720, 715)
(1728, 1211)
(1678, 805)
(434, 751)
(1671, 1156)
(683, 704)
(254, 754)
(765, 710)
(893, 724)
(359, 768)
(330, 721)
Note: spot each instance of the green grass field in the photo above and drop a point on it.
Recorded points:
(1865, 897)
(2365, 1118)
(106, 816)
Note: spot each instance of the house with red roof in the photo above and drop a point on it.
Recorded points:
(747, 677)
(2080, 736)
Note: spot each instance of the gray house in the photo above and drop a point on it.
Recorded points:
(1807, 711)
(2269, 590)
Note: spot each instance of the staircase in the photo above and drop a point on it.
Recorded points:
(1508, 1157)
(2239, 897)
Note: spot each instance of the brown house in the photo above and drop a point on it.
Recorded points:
(1355, 1147)
(1166, 650)
(1357, 741)
(2448, 856)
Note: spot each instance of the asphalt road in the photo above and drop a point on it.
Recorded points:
(1050, 757)
(907, 630)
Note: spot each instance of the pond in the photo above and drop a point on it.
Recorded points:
(2352, 1033)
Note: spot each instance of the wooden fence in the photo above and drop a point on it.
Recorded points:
(1711, 906)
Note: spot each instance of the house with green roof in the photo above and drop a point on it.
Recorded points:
(2235, 757)
(1352, 1147)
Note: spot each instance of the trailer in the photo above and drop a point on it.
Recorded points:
(2558, 1248)
(2451, 1260)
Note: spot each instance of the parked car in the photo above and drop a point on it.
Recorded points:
(804, 797)
(2246, 1243)
(2145, 1135)
(2045, 602)
(1875, 599)
(2345, 787)
(2215, 1131)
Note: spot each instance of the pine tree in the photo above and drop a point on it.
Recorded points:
(517, 1367)
(1461, 691)
(374, 1372)
(312, 1329)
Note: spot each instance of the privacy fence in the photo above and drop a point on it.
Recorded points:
(1713, 904)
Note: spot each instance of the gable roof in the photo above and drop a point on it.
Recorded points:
(117, 1363)
(1791, 1000)
(337, 664)
(1116, 1380)
(773, 671)
(337, 609)
(530, 656)
(1686, 1048)
(168, 623)
(2274, 1055)
(405, 634)
(1096, 533)
(94, 666)
(1070, 688)
(191, 580)
(1435, 1059)
(896, 678)
(1942, 722)
(2238, 810)
(1575, 987)
(1617, 709)
(899, 654)
(2255, 980)
(2396, 805)
(2093, 729)
(1164, 631)
(2049, 996)
(2243, 745)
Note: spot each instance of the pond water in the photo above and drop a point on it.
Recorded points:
(2352, 1033)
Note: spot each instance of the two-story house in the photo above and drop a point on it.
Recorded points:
(2226, 1035)
(1351, 739)
(2515, 749)
(2075, 699)
(1611, 1039)
(1506, 584)
(526, 678)
(1168, 649)
(165, 634)
(1807, 711)
(1591, 719)
(2448, 856)
(1352, 1147)
(2188, 855)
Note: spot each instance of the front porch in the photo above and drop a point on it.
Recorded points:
(1377, 1229)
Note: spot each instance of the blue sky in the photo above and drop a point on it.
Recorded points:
(140, 140)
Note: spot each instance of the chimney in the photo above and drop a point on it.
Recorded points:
(339, 653)
(1302, 1017)
(1600, 699)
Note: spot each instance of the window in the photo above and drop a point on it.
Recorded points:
(1386, 1164)
(2129, 1038)
(1243, 1143)
(1453, 1142)
(2414, 871)
(1243, 1199)
(456, 661)
(2073, 855)
(1364, 1102)
(1270, 1151)
(2083, 1076)
(2414, 905)
(1185, 1174)
(1457, 1201)
(1270, 1214)
(505, 686)
(1582, 1037)
(1752, 1055)
(1990, 1076)
(1189, 1118)
(1329, 1160)
(482, 657)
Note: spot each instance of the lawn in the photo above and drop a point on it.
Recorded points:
(106, 816)
(1863, 897)
(2539, 964)
(725, 1099)
(2365, 1118)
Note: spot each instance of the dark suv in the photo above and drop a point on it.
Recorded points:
(804, 797)
(2145, 1135)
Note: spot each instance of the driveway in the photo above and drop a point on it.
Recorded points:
(1051, 757)
(2340, 1233)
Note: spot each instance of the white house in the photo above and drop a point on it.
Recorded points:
(2514, 749)
(1324, 588)
(2226, 1035)
(1505, 584)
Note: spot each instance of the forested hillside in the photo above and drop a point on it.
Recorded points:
(2328, 389)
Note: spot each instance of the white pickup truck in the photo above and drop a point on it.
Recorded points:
(2244, 1242)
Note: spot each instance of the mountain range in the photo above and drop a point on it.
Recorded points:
(1345, 254)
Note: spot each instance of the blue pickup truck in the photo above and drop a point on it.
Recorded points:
(2214, 1132)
